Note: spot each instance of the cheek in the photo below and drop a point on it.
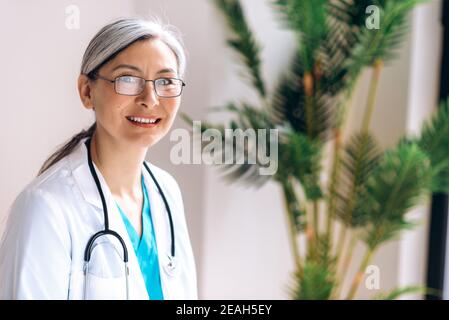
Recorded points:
(171, 111)
(109, 110)
(172, 108)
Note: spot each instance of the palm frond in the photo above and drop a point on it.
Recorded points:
(381, 44)
(295, 207)
(300, 157)
(243, 41)
(400, 182)
(308, 19)
(352, 12)
(336, 52)
(244, 142)
(317, 279)
(360, 157)
(332, 74)
(398, 292)
(314, 282)
(205, 125)
(241, 167)
(332, 56)
(289, 104)
(434, 140)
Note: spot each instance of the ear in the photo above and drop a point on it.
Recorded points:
(84, 90)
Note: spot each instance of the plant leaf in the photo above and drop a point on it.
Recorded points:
(398, 292)
(359, 158)
(243, 144)
(400, 182)
(316, 280)
(434, 141)
(289, 104)
(381, 43)
(300, 158)
(308, 19)
(243, 42)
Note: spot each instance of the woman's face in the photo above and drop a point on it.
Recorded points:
(148, 59)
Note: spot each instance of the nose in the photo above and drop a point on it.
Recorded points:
(148, 97)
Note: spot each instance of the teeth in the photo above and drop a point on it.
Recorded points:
(142, 120)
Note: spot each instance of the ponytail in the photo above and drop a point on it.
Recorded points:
(67, 148)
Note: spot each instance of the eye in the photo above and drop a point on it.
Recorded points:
(165, 81)
(127, 79)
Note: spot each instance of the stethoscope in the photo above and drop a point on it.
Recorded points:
(169, 267)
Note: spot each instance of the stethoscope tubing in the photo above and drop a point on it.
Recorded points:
(106, 231)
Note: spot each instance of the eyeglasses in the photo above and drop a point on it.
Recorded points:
(133, 86)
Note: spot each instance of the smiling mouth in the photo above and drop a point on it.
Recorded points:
(143, 121)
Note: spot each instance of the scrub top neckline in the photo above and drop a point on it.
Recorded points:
(128, 223)
(146, 248)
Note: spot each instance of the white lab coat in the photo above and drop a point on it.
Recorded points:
(50, 222)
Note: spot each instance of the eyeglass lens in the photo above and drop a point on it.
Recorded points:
(164, 87)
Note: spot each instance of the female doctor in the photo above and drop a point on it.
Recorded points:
(99, 222)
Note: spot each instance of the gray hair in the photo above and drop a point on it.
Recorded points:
(120, 34)
(105, 45)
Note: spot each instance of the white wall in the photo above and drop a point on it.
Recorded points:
(239, 235)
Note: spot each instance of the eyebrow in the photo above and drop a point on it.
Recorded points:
(130, 66)
(127, 66)
(166, 70)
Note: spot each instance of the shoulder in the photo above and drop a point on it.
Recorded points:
(36, 218)
(52, 179)
(43, 194)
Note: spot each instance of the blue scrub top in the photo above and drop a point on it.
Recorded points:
(146, 249)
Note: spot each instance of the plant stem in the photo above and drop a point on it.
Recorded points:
(309, 229)
(315, 222)
(308, 82)
(348, 256)
(377, 67)
(289, 199)
(360, 273)
(341, 242)
(308, 88)
(346, 261)
(336, 161)
(333, 183)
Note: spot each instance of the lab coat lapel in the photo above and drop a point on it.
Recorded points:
(82, 175)
(161, 224)
(137, 286)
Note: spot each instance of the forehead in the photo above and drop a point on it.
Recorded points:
(150, 55)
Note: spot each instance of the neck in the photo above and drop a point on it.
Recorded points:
(120, 165)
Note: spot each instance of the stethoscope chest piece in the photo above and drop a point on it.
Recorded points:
(171, 265)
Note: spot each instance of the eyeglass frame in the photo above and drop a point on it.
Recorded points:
(143, 87)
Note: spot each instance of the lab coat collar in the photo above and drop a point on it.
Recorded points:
(82, 175)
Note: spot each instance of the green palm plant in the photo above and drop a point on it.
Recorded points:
(370, 190)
